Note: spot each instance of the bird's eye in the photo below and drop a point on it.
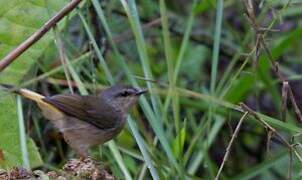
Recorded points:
(125, 93)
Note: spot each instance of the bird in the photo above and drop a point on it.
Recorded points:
(88, 120)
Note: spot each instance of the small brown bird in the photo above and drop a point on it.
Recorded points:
(90, 120)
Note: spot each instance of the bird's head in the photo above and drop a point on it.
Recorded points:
(121, 96)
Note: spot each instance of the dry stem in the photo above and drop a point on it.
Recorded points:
(261, 42)
(228, 149)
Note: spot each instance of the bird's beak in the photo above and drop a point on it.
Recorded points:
(141, 91)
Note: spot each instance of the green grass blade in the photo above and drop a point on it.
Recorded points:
(76, 78)
(195, 163)
(24, 150)
(117, 155)
(217, 34)
(83, 91)
(131, 11)
(262, 167)
(120, 58)
(112, 146)
(76, 61)
(141, 145)
(97, 50)
(184, 43)
(183, 48)
(130, 121)
(167, 40)
(153, 120)
(286, 126)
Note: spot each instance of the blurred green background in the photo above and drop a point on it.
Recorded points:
(199, 60)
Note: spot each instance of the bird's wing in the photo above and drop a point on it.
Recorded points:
(85, 108)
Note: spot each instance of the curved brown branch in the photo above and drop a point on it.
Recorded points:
(10, 57)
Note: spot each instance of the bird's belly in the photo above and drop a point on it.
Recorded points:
(81, 132)
(81, 135)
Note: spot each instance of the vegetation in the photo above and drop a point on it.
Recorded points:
(223, 78)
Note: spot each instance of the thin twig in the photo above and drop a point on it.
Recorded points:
(275, 66)
(228, 149)
(128, 34)
(290, 165)
(285, 88)
(281, 78)
(63, 58)
(266, 125)
(268, 143)
(290, 146)
(294, 103)
(159, 83)
(10, 57)
(199, 37)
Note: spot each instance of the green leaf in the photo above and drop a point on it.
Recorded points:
(204, 6)
(18, 20)
(286, 126)
(179, 141)
(245, 84)
(239, 88)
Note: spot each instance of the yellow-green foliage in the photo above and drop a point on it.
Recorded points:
(18, 20)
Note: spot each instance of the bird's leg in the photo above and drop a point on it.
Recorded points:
(82, 154)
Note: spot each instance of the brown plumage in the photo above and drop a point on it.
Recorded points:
(86, 121)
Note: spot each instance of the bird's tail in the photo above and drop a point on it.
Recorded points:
(23, 92)
(49, 111)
